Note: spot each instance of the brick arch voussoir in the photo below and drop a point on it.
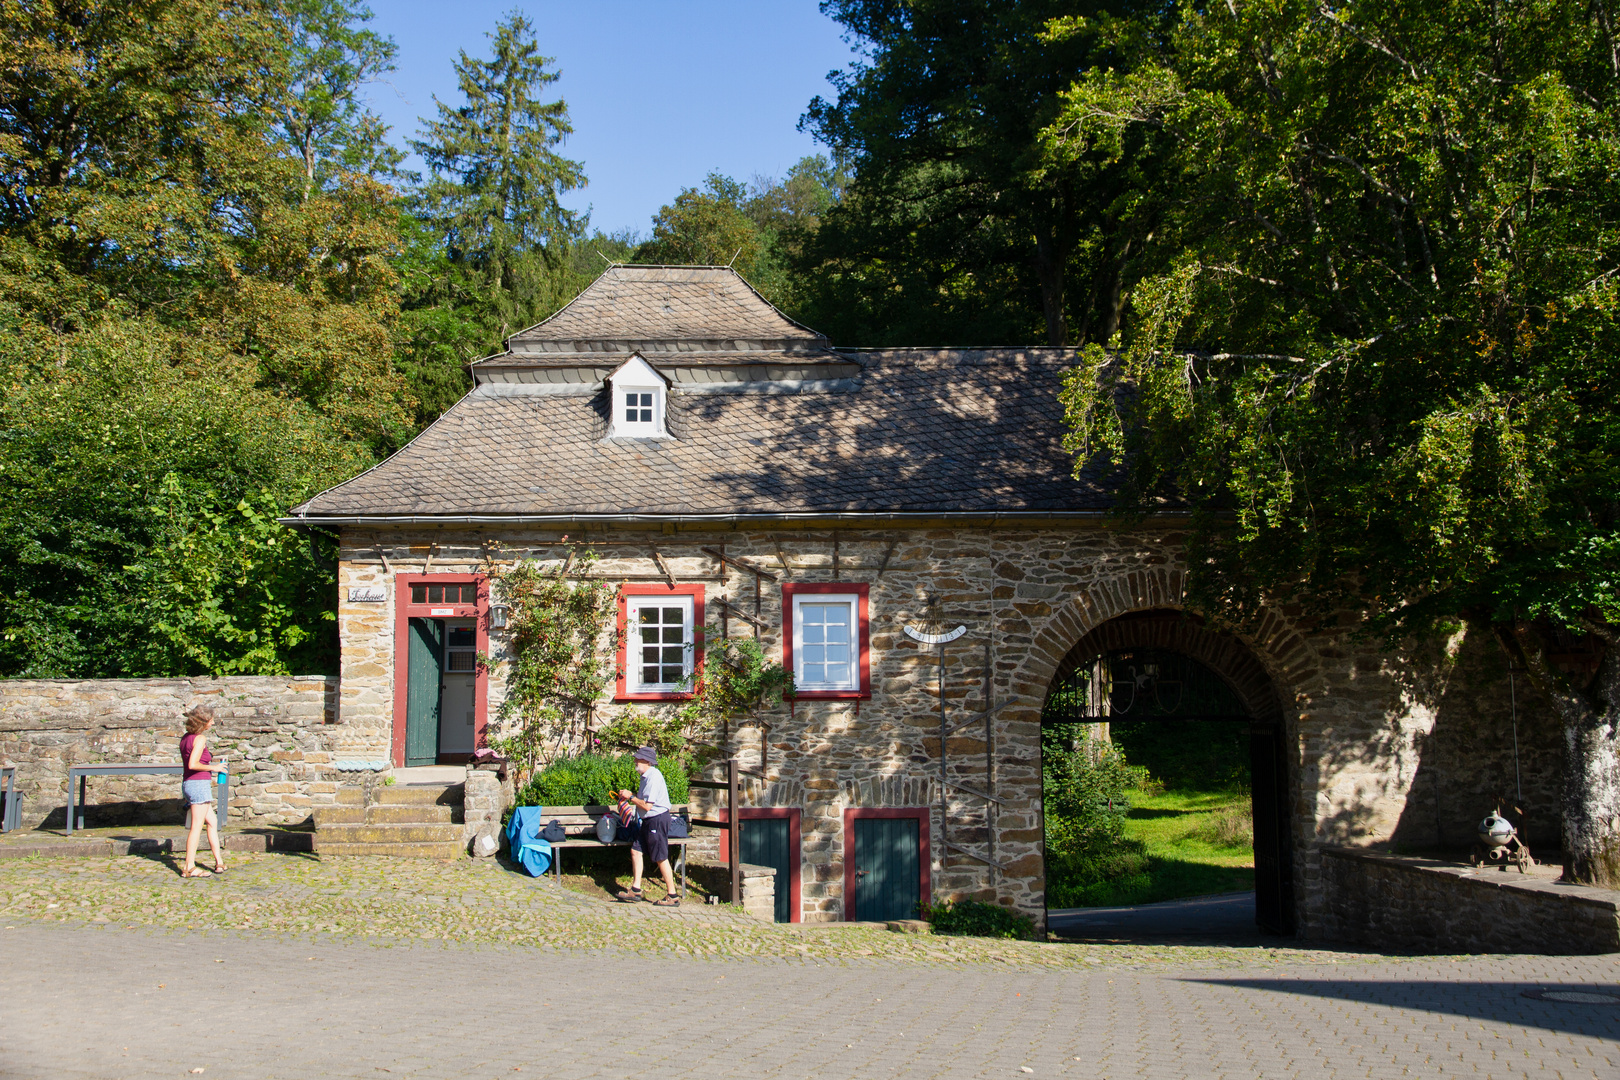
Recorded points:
(1259, 665)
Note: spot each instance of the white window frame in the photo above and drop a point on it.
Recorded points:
(853, 600)
(636, 376)
(632, 645)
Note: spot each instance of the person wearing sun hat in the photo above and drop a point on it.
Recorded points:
(651, 844)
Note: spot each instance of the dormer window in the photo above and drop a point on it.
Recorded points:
(638, 406)
(639, 394)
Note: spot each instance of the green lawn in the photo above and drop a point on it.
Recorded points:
(1199, 842)
(1195, 819)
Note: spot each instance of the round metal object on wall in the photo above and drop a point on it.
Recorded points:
(935, 639)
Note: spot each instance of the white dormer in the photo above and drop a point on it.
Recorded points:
(639, 396)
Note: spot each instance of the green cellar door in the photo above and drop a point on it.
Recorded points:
(422, 692)
(765, 843)
(888, 879)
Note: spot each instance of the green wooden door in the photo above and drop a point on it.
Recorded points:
(765, 843)
(422, 691)
(888, 875)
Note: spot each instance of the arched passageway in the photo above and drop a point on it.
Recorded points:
(1166, 664)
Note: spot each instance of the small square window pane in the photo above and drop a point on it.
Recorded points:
(435, 594)
(418, 594)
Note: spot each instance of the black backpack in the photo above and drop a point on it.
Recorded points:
(554, 833)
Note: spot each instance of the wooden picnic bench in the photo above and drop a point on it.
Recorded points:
(580, 824)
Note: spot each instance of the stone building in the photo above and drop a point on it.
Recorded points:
(735, 469)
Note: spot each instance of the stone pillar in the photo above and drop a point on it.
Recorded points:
(486, 796)
(759, 891)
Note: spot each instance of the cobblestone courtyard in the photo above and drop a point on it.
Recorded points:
(294, 967)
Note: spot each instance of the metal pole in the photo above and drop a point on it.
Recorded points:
(944, 828)
(1513, 704)
(734, 834)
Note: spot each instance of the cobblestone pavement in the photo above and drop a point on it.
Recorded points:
(704, 993)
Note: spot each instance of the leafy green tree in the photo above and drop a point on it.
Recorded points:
(707, 227)
(322, 118)
(1382, 366)
(957, 227)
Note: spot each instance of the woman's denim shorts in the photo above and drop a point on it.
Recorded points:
(197, 792)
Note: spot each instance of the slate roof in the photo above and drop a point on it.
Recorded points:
(916, 431)
(664, 308)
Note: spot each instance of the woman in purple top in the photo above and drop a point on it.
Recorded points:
(197, 782)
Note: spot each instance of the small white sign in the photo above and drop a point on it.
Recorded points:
(441, 611)
(367, 594)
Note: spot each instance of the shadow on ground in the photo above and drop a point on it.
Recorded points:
(1493, 1002)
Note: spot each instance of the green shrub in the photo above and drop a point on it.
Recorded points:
(975, 918)
(1087, 786)
(591, 779)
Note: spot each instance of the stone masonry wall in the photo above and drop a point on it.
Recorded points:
(279, 737)
(1390, 902)
(1410, 746)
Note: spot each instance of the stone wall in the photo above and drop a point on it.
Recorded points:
(279, 737)
(1393, 902)
(1405, 744)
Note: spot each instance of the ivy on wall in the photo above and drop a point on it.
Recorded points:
(560, 632)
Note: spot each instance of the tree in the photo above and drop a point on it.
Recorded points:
(1382, 366)
(706, 228)
(322, 119)
(957, 228)
(497, 177)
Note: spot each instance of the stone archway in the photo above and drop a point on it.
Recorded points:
(1169, 630)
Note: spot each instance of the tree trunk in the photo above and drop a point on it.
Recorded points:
(1591, 800)
(1049, 267)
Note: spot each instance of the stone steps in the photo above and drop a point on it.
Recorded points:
(411, 820)
(419, 850)
(384, 815)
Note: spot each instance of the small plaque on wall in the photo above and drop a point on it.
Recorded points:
(366, 594)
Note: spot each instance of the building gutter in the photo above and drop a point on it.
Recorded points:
(850, 517)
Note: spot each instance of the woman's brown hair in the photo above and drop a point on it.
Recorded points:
(198, 717)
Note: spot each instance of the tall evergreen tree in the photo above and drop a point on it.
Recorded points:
(496, 176)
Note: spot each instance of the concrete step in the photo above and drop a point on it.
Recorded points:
(420, 795)
(383, 815)
(424, 850)
(351, 796)
(385, 834)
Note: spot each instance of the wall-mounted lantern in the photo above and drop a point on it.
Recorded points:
(497, 616)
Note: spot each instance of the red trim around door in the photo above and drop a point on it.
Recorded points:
(696, 592)
(404, 612)
(795, 841)
(924, 859)
(863, 618)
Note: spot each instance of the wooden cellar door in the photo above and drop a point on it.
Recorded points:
(765, 842)
(888, 873)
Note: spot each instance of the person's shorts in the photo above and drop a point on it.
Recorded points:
(197, 792)
(652, 839)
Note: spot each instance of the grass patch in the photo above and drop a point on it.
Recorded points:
(1188, 830)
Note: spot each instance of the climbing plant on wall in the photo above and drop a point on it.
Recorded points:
(560, 636)
(736, 681)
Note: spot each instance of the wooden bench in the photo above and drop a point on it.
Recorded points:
(580, 824)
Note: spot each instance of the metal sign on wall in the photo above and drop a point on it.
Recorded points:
(367, 594)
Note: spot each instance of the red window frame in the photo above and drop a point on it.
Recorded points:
(404, 612)
(862, 593)
(925, 862)
(696, 592)
(795, 840)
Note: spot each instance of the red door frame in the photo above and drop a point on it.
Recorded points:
(404, 612)
(795, 841)
(924, 859)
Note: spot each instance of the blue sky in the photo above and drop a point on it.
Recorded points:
(660, 93)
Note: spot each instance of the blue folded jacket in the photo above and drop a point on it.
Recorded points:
(523, 838)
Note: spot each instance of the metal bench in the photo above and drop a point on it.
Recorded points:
(580, 824)
(222, 784)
